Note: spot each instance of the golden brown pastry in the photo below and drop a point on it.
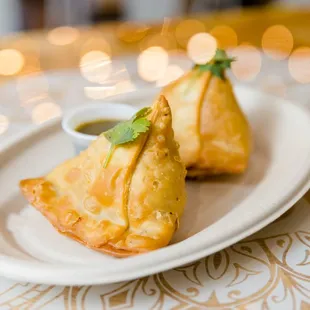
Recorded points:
(213, 133)
(129, 204)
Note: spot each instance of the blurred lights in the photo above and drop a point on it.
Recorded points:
(299, 65)
(130, 32)
(62, 35)
(152, 63)
(225, 36)
(119, 82)
(201, 48)
(186, 29)
(45, 111)
(4, 124)
(165, 41)
(277, 42)
(11, 61)
(172, 73)
(96, 66)
(96, 43)
(248, 63)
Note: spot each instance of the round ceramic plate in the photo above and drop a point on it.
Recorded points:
(219, 211)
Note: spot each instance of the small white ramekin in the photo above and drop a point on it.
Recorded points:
(92, 112)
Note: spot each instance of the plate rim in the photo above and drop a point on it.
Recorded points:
(42, 272)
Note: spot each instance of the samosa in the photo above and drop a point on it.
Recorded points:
(125, 194)
(213, 132)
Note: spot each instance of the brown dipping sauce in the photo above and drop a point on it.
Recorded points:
(96, 127)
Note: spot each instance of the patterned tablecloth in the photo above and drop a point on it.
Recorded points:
(269, 270)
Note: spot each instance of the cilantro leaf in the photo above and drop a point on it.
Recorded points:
(218, 64)
(127, 131)
(121, 133)
(142, 113)
(140, 125)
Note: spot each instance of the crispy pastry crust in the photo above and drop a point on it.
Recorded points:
(133, 206)
(212, 130)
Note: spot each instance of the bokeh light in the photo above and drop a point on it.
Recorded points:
(172, 73)
(28, 54)
(96, 66)
(45, 111)
(248, 62)
(11, 61)
(226, 36)
(130, 32)
(62, 35)
(95, 41)
(299, 64)
(152, 63)
(201, 48)
(186, 29)
(4, 124)
(277, 42)
(166, 41)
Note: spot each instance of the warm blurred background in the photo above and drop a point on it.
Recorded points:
(19, 15)
(269, 37)
(16, 15)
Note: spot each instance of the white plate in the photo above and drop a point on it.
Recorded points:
(219, 212)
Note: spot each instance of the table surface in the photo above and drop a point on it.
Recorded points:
(270, 270)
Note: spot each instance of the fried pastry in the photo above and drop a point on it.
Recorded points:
(213, 133)
(124, 203)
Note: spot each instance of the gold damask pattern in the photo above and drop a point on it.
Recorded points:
(262, 273)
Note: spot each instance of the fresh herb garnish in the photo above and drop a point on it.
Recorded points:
(218, 64)
(127, 131)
